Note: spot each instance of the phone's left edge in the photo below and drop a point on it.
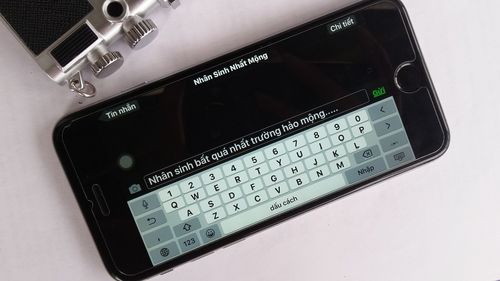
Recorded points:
(88, 216)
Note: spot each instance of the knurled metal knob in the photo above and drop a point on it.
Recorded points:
(107, 64)
(141, 33)
(169, 3)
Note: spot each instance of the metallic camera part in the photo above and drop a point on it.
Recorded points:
(81, 87)
(107, 64)
(166, 3)
(93, 27)
(141, 33)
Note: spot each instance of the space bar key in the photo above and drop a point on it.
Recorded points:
(283, 203)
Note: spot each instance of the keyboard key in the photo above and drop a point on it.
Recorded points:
(164, 253)
(362, 129)
(320, 146)
(252, 186)
(237, 179)
(210, 233)
(298, 181)
(388, 125)
(273, 178)
(158, 237)
(341, 137)
(233, 168)
(189, 212)
(231, 195)
(170, 192)
(365, 171)
(367, 154)
(195, 196)
(217, 187)
(394, 141)
(144, 205)
(212, 176)
(295, 142)
(319, 173)
(300, 154)
(279, 162)
(356, 145)
(215, 215)
(257, 198)
(340, 165)
(316, 134)
(189, 242)
(151, 221)
(358, 118)
(210, 203)
(190, 184)
(400, 157)
(277, 190)
(382, 110)
(174, 205)
(336, 153)
(187, 227)
(236, 206)
(294, 169)
(254, 159)
(275, 151)
(337, 126)
(315, 161)
(257, 171)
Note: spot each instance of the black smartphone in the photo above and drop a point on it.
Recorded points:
(173, 170)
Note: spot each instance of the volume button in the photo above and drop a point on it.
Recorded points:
(167, 271)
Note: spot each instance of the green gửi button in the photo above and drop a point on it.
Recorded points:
(379, 92)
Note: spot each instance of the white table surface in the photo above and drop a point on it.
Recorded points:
(437, 222)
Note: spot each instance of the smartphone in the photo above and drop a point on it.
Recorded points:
(178, 168)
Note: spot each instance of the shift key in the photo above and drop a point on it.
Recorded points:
(365, 171)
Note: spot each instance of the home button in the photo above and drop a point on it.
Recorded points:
(408, 77)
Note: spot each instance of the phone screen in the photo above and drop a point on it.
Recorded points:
(239, 142)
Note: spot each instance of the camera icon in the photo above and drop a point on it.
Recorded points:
(135, 188)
